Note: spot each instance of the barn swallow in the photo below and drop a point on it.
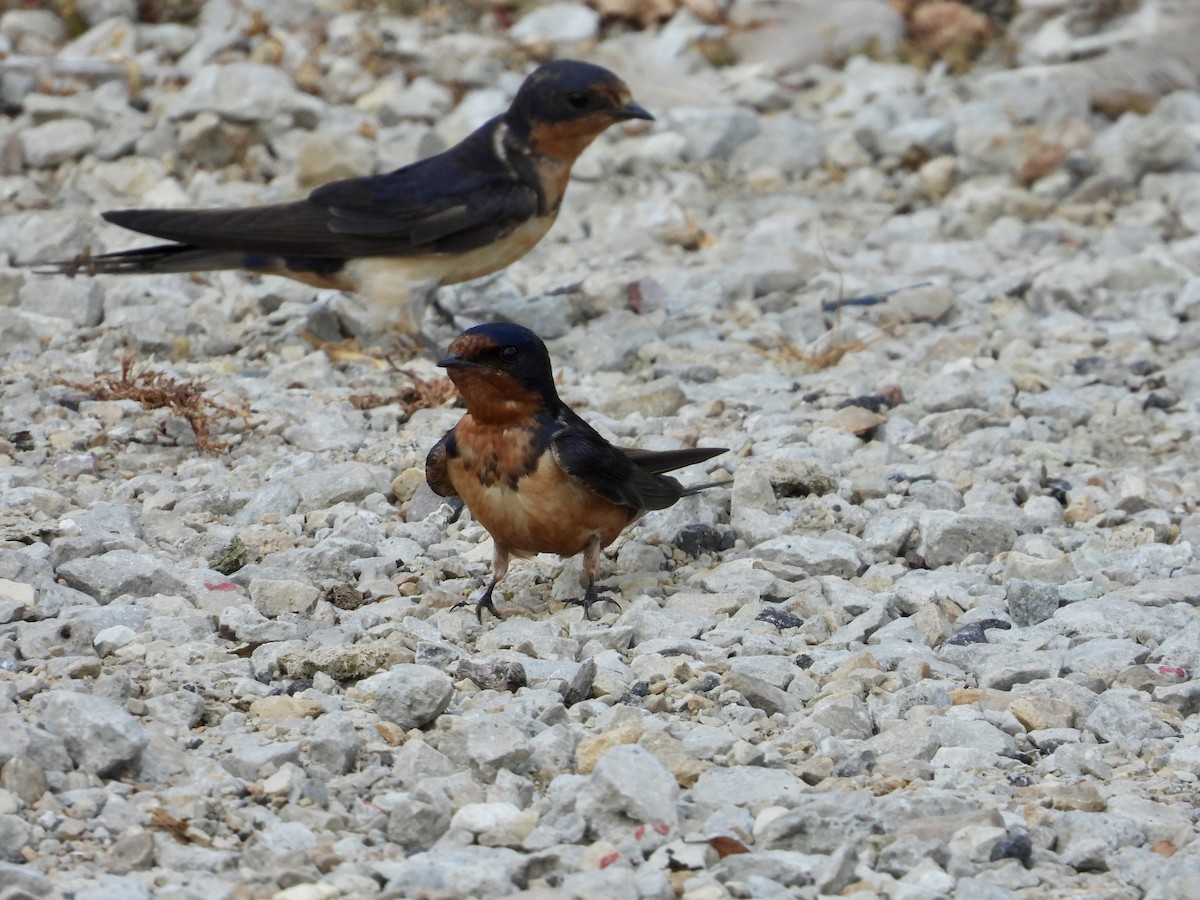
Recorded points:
(532, 472)
(395, 238)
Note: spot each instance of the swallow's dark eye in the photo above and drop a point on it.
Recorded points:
(578, 99)
(510, 354)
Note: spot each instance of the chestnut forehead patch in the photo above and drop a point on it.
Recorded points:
(468, 346)
(618, 93)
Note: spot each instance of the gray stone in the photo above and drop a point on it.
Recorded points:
(1183, 697)
(243, 92)
(119, 572)
(1180, 649)
(964, 391)
(24, 778)
(895, 705)
(412, 696)
(278, 598)
(20, 339)
(815, 824)
(1031, 602)
(394, 102)
(948, 538)
(661, 397)
(816, 556)
(43, 26)
(276, 498)
(212, 141)
(886, 535)
(336, 427)
(903, 742)
(1085, 839)
(102, 617)
(749, 786)
(113, 638)
(557, 23)
(785, 143)
(713, 133)
(1185, 756)
(101, 737)
(1105, 657)
(334, 743)
(936, 495)
(253, 756)
(860, 629)
(460, 872)
(179, 709)
(418, 819)
(327, 157)
(972, 734)
(24, 878)
(791, 477)
(762, 694)
(103, 526)
(628, 788)
(1004, 668)
(54, 637)
(17, 600)
(80, 302)
(779, 867)
(845, 716)
(114, 887)
(416, 760)
(285, 844)
(341, 483)
(54, 142)
(779, 671)
(1121, 717)
(15, 835)
(96, 11)
(708, 741)
(245, 623)
(930, 136)
(488, 746)
(752, 490)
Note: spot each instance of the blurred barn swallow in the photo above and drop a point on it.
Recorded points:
(532, 472)
(395, 238)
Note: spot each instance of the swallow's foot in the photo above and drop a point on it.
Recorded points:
(590, 598)
(399, 346)
(346, 351)
(485, 602)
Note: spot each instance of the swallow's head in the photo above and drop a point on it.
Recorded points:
(502, 371)
(565, 104)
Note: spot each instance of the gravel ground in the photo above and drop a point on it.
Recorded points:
(937, 639)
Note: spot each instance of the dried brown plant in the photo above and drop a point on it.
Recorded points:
(422, 393)
(157, 390)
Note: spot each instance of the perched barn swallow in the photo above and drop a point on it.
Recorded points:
(532, 472)
(462, 214)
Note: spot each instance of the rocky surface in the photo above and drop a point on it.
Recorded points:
(938, 637)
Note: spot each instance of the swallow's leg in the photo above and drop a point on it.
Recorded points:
(445, 316)
(591, 568)
(500, 557)
(429, 345)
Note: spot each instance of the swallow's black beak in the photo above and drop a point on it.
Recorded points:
(632, 110)
(458, 362)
